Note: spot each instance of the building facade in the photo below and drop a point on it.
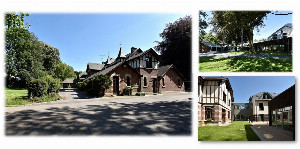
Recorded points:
(260, 105)
(241, 111)
(141, 71)
(215, 96)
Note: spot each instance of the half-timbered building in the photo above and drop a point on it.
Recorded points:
(215, 96)
(141, 71)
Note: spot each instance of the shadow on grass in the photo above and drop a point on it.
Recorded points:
(248, 64)
(250, 134)
(172, 118)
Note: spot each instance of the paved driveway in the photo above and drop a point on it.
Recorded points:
(149, 115)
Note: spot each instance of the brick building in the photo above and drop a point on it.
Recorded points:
(215, 96)
(141, 71)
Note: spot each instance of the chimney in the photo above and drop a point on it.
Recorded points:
(133, 49)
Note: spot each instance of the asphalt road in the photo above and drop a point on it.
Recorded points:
(79, 114)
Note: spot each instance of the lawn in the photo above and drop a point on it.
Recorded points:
(236, 131)
(262, 53)
(238, 64)
(15, 97)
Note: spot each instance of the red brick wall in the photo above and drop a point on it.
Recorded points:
(171, 81)
(122, 71)
(203, 48)
(147, 73)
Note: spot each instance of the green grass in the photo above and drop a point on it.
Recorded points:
(238, 64)
(262, 53)
(236, 131)
(15, 97)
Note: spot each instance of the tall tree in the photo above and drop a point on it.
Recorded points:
(238, 25)
(175, 48)
(202, 23)
(63, 71)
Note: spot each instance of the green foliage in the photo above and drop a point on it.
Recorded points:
(37, 88)
(97, 85)
(127, 91)
(210, 38)
(63, 71)
(53, 84)
(139, 94)
(202, 23)
(236, 64)
(175, 47)
(237, 26)
(80, 85)
(15, 97)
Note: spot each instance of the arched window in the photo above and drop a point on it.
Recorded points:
(178, 82)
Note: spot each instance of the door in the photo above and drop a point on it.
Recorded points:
(154, 82)
(116, 85)
(261, 117)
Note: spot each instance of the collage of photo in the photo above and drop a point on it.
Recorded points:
(139, 75)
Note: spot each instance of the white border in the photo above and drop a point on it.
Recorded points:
(147, 6)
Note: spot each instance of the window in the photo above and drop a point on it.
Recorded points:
(128, 80)
(209, 113)
(261, 106)
(224, 97)
(148, 62)
(163, 82)
(145, 82)
(178, 82)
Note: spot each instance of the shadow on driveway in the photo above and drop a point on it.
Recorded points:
(171, 118)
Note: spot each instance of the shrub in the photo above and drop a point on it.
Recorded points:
(53, 84)
(139, 94)
(37, 88)
(98, 85)
(80, 85)
(127, 91)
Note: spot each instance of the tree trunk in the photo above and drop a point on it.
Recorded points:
(251, 39)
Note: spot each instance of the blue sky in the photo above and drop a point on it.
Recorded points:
(246, 86)
(83, 38)
(272, 23)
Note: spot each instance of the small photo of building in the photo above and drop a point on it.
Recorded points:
(236, 108)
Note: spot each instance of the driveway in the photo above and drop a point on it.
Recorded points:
(79, 114)
(222, 54)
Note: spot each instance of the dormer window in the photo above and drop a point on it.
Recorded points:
(148, 62)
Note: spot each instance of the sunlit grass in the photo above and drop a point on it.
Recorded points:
(261, 52)
(15, 97)
(235, 64)
(236, 131)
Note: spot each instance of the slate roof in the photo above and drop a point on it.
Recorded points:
(95, 66)
(83, 74)
(211, 44)
(121, 53)
(70, 80)
(259, 95)
(137, 53)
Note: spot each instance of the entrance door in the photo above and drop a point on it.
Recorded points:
(116, 85)
(154, 82)
(261, 117)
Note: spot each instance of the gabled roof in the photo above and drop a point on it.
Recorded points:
(70, 80)
(210, 44)
(259, 95)
(82, 74)
(95, 66)
(143, 53)
(137, 51)
(162, 70)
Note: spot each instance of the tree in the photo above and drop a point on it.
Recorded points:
(175, 48)
(228, 23)
(250, 99)
(63, 71)
(97, 85)
(202, 24)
